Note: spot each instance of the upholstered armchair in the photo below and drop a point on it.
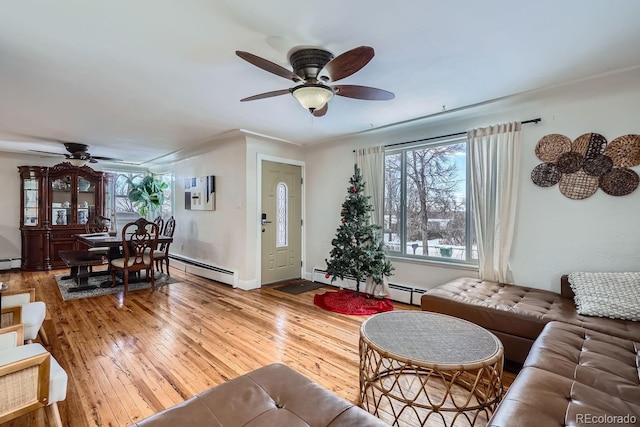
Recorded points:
(21, 307)
(30, 378)
(139, 241)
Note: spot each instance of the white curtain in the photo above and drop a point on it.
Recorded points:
(371, 163)
(494, 154)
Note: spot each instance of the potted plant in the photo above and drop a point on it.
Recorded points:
(147, 194)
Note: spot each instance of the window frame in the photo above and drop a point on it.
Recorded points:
(403, 253)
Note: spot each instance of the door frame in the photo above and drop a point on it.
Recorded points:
(286, 161)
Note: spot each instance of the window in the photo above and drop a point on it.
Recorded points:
(282, 215)
(426, 202)
(118, 205)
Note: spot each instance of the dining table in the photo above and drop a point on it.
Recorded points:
(113, 243)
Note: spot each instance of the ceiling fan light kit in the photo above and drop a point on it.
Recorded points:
(77, 162)
(307, 63)
(312, 97)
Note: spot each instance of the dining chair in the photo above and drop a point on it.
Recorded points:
(160, 221)
(30, 378)
(161, 255)
(139, 241)
(21, 307)
(97, 224)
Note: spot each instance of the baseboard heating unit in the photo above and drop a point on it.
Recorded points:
(202, 269)
(9, 263)
(400, 293)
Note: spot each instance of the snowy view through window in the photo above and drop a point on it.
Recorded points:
(425, 203)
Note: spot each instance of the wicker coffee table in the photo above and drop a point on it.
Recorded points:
(422, 368)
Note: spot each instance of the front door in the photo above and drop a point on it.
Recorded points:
(281, 222)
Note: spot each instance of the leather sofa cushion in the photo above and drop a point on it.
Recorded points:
(542, 398)
(606, 363)
(516, 310)
(572, 373)
(274, 395)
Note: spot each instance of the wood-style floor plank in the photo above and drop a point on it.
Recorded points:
(130, 357)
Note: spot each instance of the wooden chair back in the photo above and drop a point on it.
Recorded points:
(160, 221)
(169, 228)
(139, 240)
(99, 224)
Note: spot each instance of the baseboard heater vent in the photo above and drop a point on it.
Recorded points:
(400, 293)
(406, 294)
(9, 263)
(202, 269)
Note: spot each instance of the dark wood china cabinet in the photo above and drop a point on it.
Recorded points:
(56, 203)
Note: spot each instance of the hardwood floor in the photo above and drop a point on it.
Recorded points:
(130, 358)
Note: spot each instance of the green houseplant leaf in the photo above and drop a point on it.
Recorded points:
(147, 194)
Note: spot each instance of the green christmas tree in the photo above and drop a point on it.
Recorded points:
(357, 248)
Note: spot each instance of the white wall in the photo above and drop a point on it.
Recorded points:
(227, 237)
(554, 235)
(10, 196)
(214, 237)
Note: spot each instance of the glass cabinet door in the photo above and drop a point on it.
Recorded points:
(86, 200)
(31, 202)
(61, 201)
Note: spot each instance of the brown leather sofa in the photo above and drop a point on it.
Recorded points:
(574, 377)
(517, 314)
(271, 396)
(577, 370)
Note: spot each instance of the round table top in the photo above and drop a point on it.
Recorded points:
(429, 339)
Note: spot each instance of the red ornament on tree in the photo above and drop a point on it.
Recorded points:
(326, 276)
(354, 190)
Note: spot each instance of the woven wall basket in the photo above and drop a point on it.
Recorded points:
(619, 182)
(625, 151)
(598, 165)
(570, 162)
(550, 147)
(578, 185)
(545, 175)
(589, 144)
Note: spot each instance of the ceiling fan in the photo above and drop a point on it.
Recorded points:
(314, 91)
(78, 154)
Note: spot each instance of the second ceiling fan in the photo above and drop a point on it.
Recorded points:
(314, 91)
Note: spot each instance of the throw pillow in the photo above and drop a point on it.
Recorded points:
(614, 295)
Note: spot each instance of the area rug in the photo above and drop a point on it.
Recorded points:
(299, 287)
(348, 302)
(65, 284)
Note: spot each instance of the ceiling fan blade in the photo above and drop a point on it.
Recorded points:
(268, 66)
(112, 159)
(321, 112)
(363, 92)
(50, 153)
(349, 62)
(266, 95)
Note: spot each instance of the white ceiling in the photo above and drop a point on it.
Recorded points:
(138, 79)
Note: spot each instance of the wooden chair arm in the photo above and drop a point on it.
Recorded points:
(30, 291)
(18, 376)
(17, 331)
(11, 316)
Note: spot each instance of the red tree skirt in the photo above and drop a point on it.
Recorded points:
(346, 302)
